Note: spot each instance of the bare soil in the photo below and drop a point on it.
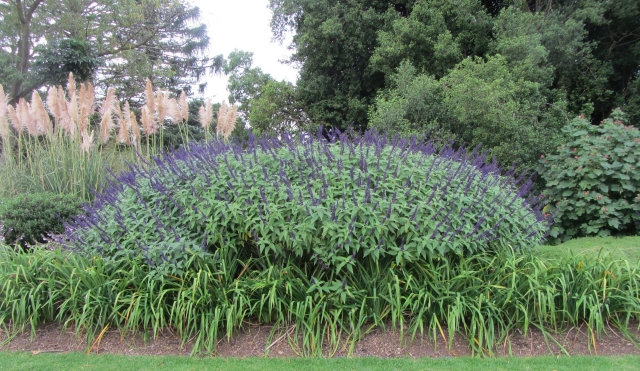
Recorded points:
(253, 341)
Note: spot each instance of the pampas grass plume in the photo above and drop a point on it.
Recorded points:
(52, 103)
(135, 130)
(230, 122)
(87, 141)
(71, 84)
(14, 119)
(173, 110)
(222, 117)
(205, 114)
(148, 123)
(184, 106)
(148, 93)
(161, 106)
(4, 124)
(23, 109)
(40, 116)
(125, 124)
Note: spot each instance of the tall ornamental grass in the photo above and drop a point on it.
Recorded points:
(65, 143)
(483, 298)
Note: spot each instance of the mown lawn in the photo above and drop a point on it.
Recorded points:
(80, 361)
(624, 248)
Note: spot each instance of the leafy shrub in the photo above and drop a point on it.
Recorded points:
(593, 181)
(326, 205)
(28, 218)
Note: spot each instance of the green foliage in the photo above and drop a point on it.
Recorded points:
(333, 42)
(592, 181)
(276, 110)
(482, 299)
(321, 205)
(435, 37)
(413, 104)
(30, 218)
(135, 39)
(60, 57)
(552, 60)
(270, 106)
(478, 102)
(245, 82)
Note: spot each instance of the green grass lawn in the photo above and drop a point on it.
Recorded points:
(621, 248)
(80, 361)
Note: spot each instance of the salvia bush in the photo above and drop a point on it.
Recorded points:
(324, 204)
(593, 181)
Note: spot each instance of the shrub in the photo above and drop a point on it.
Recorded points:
(29, 218)
(325, 205)
(593, 182)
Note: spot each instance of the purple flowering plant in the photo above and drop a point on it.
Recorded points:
(323, 203)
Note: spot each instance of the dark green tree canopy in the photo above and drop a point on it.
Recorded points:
(58, 58)
(509, 73)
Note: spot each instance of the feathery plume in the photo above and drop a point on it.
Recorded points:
(205, 114)
(66, 122)
(222, 117)
(106, 126)
(149, 125)
(135, 130)
(14, 119)
(23, 109)
(108, 103)
(71, 84)
(230, 122)
(184, 106)
(202, 117)
(4, 129)
(161, 106)
(40, 115)
(4, 124)
(90, 98)
(173, 110)
(52, 103)
(3, 103)
(148, 92)
(83, 122)
(106, 114)
(72, 109)
(125, 124)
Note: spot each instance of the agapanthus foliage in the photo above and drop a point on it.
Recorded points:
(325, 204)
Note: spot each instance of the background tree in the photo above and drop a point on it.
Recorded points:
(269, 106)
(277, 110)
(245, 82)
(133, 39)
(333, 42)
(508, 73)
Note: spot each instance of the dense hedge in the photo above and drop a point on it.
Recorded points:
(30, 218)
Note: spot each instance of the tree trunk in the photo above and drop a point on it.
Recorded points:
(24, 47)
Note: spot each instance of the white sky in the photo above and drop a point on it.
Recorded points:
(242, 25)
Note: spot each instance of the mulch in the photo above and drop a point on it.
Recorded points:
(255, 340)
